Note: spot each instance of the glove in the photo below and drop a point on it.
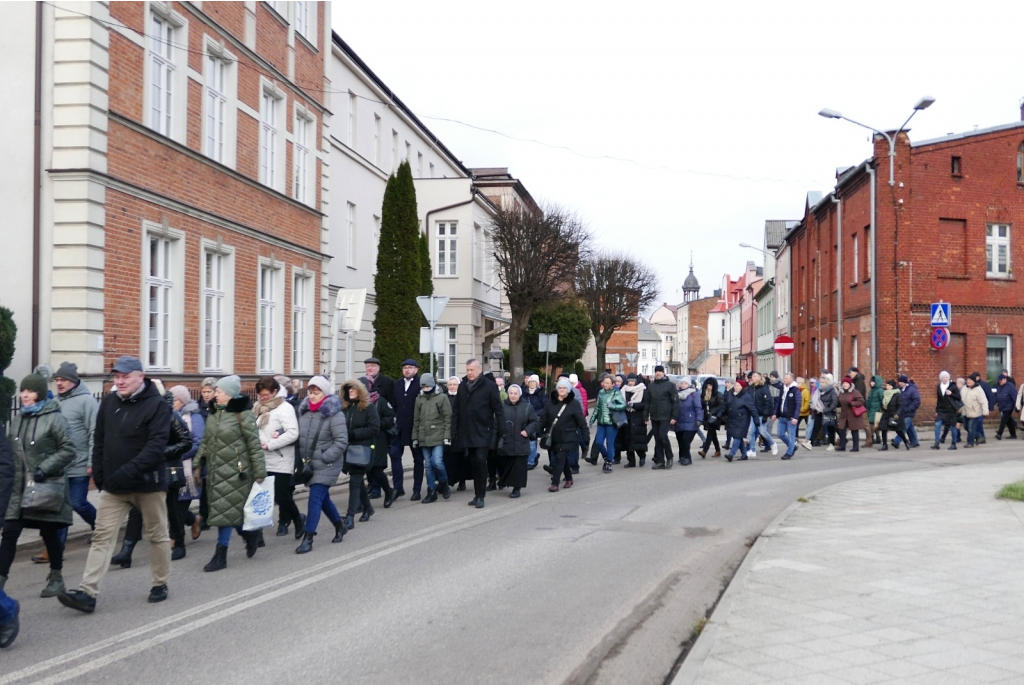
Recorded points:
(415, 444)
(38, 475)
(118, 481)
(447, 443)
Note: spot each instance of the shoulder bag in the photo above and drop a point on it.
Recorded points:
(358, 455)
(859, 411)
(40, 498)
(545, 441)
(304, 467)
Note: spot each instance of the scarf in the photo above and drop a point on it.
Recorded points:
(636, 394)
(886, 396)
(316, 407)
(262, 410)
(32, 409)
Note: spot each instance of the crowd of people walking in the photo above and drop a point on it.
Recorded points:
(171, 464)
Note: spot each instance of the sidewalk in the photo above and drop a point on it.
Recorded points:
(909, 578)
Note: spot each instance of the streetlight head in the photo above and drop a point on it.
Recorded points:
(924, 103)
(746, 245)
(832, 114)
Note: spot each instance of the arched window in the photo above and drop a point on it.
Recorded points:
(1020, 163)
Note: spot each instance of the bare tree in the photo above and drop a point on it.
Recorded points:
(537, 253)
(615, 288)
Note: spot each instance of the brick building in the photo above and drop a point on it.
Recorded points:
(944, 231)
(180, 213)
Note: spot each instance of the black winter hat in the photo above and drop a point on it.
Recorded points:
(69, 372)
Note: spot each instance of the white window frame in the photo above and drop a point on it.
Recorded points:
(478, 253)
(222, 94)
(419, 165)
(303, 313)
(1007, 357)
(995, 243)
(226, 294)
(304, 156)
(352, 119)
(447, 360)
(856, 260)
(446, 249)
(166, 110)
(270, 318)
(394, 150)
(408, 152)
(272, 136)
(431, 170)
(377, 128)
(376, 243)
(350, 235)
(172, 282)
(306, 19)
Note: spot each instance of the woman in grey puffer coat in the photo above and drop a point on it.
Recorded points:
(323, 439)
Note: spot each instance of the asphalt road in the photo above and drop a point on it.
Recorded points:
(602, 583)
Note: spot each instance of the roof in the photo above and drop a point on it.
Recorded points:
(969, 134)
(775, 231)
(347, 49)
(645, 331)
(691, 282)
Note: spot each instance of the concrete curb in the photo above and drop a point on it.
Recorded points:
(689, 672)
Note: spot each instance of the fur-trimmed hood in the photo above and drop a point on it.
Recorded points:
(330, 407)
(364, 394)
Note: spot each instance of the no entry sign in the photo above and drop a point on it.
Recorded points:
(784, 346)
(939, 338)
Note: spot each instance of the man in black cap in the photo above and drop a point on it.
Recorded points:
(664, 405)
(378, 385)
(129, 443)
(910, 402)
(407, 389)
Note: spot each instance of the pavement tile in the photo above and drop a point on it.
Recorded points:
(984, 673)
(947, 659)
(900, 668)
(860, 657)
(860, 675)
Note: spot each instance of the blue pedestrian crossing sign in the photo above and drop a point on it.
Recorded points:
(940, 314)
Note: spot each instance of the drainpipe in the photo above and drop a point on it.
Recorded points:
(874, 281)
(839, 282)
(36, 171)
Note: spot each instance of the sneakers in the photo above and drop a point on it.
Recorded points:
(830, 448)
(751, 454)
(806, 444)
(78, 600)
(158, 594)
(775, 449)
(607, 468)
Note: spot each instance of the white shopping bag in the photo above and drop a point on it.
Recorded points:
(259, 508)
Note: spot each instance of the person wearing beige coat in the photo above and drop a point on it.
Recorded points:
(974, 410)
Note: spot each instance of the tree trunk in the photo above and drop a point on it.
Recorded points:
(516, 333)
(601, 346)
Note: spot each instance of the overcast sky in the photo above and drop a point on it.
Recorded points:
(702, 96)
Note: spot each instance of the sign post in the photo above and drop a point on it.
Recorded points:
(432, 306)
(547, 343)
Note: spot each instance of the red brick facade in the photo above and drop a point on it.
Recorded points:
(155, 179)
(622, 342)
(931, 246)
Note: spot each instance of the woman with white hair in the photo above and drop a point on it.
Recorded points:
(538, 399)
(947, 409)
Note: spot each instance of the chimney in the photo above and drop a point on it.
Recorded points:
(1022, 109)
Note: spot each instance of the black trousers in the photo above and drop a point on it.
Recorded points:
(842, 439)
(560, 465)
(378, 481)
(662, 447)
(711, 439)
(685, 439)
(284, 488)
(50, 532)
(478, 463)
(1007, 421)
(899, 433)
(357, 492)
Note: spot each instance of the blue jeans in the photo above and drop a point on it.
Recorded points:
(8, 608)
(224, 534)
(810, 428)
(532, 460)
(909, 431)
(952, 428)
(79, 486)
(735, 444)
(974, 429)
(763, 430)
(320, 500)
(788, 433)
(606, 441)
(433, 462)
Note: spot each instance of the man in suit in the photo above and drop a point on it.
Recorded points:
(406, 390)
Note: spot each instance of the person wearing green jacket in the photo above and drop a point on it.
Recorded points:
(43, 451)
(233, 457)
(609, 400)
(431, 432)
(874, 408)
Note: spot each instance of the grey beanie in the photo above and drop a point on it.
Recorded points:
(427, 380)
(68, 371)
(564, 382)
(231, 385)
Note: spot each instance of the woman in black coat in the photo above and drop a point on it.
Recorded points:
(520, 430)
(381, 444)
(561, 420)
(891, 418)
(638, 405)
(363, 426)
(739, 412)
(711, 402)
(456, 464)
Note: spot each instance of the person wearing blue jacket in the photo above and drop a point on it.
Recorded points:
(910, 402)
(689, 415)
(1006, 401)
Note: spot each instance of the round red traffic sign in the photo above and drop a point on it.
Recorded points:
(939, 338)
(784, 345)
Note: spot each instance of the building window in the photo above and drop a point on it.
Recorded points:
(447, 248)
(643, 353)
(305, 19)
(478, 253)
(394, 150)
(446, 358)
(268, 327)
(161, 74)
(376, 140)
(216, 107)
(269, 135)
(352, 120)
(856, 258)
(408, 152)
(854, 352)
(376, 242)
(350, 236)
(159, 286)
(867, 252)
(431, 170)
(213, 311)
(419, 165)
(954, 166)
(301, 158)
(997, 357)
(301, 320)
(997, 251)
(1020, 163)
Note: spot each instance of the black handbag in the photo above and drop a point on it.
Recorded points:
(545, 440)
(894, 422)
(304, 468)
(358, 455)
(829, 420)
(40, 498)
(176, 476)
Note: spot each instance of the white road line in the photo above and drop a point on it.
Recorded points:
(290, 584)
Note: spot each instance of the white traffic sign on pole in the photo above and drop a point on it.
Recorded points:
(432, 306)
(941, 314)
(547, 343)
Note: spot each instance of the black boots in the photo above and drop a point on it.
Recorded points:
(124, 557)
(389, 497)
(349, 522)
(307, 544)
(883, 448)
(299, 526)
(178, 551)
(219, 561)
(444, 489)
(282, 529)
(252, 542)
(340, 530)
(368, 512)
(431, 496)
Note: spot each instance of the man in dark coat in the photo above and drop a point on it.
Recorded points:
(477, 424)
(910, 402)
(406, 390)
(990, 394)
(947, 408)
(1006, 401)
(378, 386)
(663, 409)
(740, 412)
(132, 430)
(8, 607)
(765, 405)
